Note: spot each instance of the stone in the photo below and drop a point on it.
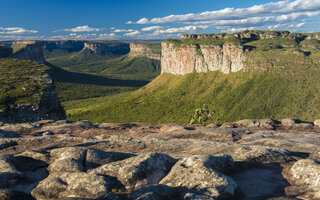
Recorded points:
(145, 50)
(192, 196)
(306, 172)
(68, 159)
(200, 175)
(138, 171)
(37, 155)
(256, 123)
(72, 185)
(9, 174)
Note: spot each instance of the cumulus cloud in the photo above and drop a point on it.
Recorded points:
(123, 30)
(269, 9)
(15, 30)
(135, 33)
(151, 28)
(85, 28)
(181, 29)
(301, 24)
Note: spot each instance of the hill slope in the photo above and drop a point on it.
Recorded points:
(288, 87)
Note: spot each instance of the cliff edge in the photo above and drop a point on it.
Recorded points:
(27, 92)
(149, 50)
(232, 52)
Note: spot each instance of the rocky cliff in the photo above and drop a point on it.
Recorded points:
(201, 58)
(27, 92)
(65, 45)
(104, 48)
(230, 52)
(28, 50)
(149, 50)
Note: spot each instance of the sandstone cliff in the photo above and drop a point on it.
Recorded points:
(149, 50)
(201, 58)
(104, 48)
(27, 92)
(28, 50)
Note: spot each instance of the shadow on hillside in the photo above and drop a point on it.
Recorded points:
(61, 75)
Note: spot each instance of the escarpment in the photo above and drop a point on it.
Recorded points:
(28, 50)
(27, 92)
(201, 58)
(149, 50)
(247, 50)
(104, 48)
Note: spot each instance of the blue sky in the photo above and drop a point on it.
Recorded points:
(150, 19)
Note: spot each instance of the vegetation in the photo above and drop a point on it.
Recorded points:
(288, 78)
(21, 82)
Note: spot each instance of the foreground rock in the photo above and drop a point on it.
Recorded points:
(73, 185)
(135, 172)
(202, 175)
(249, 159)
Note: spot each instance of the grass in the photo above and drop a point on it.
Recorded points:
(291, 81)
(21, 82)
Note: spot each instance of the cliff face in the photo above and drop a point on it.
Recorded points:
(67, 45)
(103, 48)
(28, 50)
(201, 58)
(145, 50)
(27, 92)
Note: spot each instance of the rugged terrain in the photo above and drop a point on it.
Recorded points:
(233, 52)
(248, 159)
(27, 92)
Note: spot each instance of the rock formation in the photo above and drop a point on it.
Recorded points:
(232, 52)
(103, 48)
(255, 159)
(27, 92)
(28, 50)
(201, 58)
(149, 50)
(65, 45)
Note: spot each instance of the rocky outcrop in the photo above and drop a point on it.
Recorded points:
(28, 50)
(27, 92)
(104, 48)
(149, 50)
(201, 58)
(81, 160)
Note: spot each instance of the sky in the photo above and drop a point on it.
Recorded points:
(150, 19)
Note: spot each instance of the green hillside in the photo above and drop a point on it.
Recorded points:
(287, 84)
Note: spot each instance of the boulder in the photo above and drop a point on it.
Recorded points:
(258, 153)
(68, 159)
(256, 123)
(200, 174)
(72, 185)
(136, 172)
(306, 172)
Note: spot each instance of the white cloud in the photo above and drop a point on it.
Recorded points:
(181, 29)
(269, 9)
(15, 30)
(151, 28)
(142, 21)
(123, 30)
(135, 33)
(85, 28)
(301, 24)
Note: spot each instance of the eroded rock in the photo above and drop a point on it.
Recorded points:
(200, 175)
(135, 172)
